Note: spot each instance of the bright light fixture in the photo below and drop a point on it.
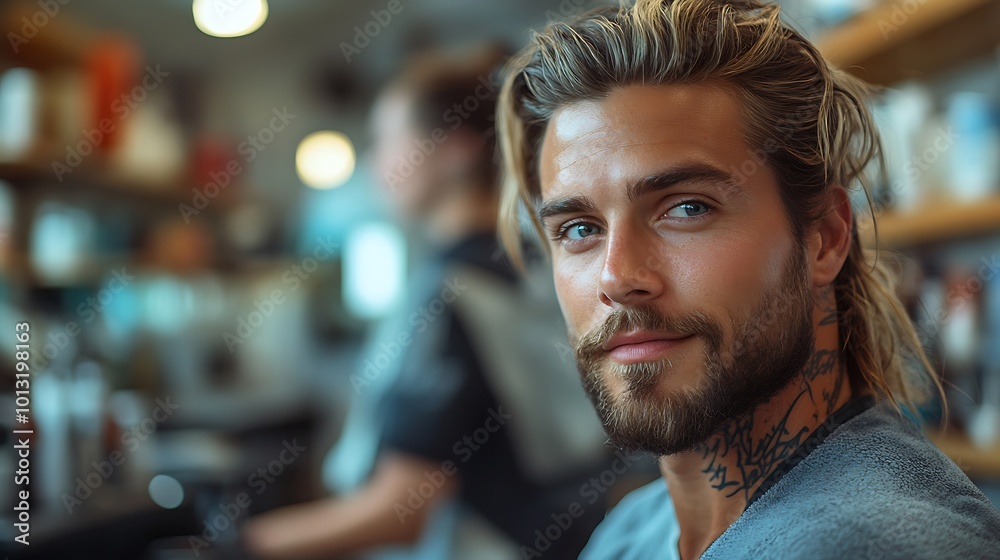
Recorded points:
(229, 18)
(166, 491)
(374, 265)
(325, 159)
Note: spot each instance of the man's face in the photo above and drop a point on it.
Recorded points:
(686, 294)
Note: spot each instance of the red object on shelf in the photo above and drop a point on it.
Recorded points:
(112, 69)
(210, 158)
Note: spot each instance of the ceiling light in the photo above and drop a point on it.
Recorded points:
(229, 18)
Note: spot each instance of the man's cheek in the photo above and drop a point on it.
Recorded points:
(571, 300)
(717, 285)
(560, 282)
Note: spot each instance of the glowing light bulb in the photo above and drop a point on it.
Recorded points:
(325, 159)
(229, 18)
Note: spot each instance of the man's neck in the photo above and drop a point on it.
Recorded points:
(713, 484)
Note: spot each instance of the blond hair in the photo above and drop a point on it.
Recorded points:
(811, 120)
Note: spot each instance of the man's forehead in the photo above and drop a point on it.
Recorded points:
(636, 124)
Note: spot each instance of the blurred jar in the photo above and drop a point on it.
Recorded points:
(984, 426)
(974, 160)
(903, 116)
(19, 92)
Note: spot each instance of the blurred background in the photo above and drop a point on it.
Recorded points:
(189, 225)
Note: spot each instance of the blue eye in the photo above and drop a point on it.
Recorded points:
(579, 231)
(688, 209)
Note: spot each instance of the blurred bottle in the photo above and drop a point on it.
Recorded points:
(960, 345)
(111, 66)
(19, 92)
(87, 408)
(984, 426)
(974, 160)
(903, 115)
(51, 396)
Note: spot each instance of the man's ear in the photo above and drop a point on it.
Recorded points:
(831, 238)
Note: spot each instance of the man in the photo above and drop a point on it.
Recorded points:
(689, 162)
(443, 455)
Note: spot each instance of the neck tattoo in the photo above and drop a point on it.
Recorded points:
(744, 452)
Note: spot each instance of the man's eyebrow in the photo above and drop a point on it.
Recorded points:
(568, 205)
(689, 173)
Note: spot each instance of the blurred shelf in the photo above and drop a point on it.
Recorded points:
(93, 180)
(934, 222)
(14, 264)
(977, 462)
(58, 42)
(95, 271)
(98, 268)
(886, 44)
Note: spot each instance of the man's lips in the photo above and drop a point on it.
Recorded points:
(642, 346)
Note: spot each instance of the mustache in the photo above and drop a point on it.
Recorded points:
(590, 347)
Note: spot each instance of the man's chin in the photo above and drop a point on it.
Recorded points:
(658, 445)
(652, 422)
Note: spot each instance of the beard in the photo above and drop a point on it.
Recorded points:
(770, 345)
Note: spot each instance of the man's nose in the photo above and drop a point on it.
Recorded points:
(630, 274)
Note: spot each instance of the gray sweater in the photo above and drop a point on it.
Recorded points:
(875, 488)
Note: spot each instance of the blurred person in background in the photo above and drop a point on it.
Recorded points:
(689, 161)
(470, 436)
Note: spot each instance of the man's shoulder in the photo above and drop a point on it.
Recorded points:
(879, 457)
(642, 525)
(878, 480)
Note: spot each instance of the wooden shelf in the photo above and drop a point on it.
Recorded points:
(934, 222)
(885, 45)
(93, 180)
(57, 43)
(977, 462)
